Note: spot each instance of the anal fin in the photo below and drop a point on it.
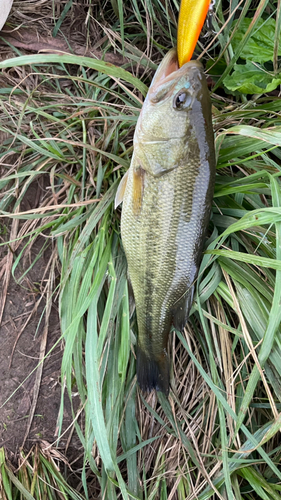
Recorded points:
(132, 303)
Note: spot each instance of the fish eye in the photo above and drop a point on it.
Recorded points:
(182, 100)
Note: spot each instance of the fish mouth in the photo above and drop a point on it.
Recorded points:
(165, 78)
(168, 74)
(168, 66)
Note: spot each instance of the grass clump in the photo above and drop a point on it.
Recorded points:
(70, 120)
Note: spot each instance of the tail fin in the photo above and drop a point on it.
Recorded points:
(153, 373)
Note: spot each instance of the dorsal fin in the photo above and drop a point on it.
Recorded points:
(180, 311)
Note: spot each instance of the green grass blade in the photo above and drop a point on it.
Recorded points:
(87, 62)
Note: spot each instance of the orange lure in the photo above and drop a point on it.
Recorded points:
(191, 19)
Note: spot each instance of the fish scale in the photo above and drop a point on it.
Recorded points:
(167, 195)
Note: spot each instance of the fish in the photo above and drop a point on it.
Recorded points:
(167, 196)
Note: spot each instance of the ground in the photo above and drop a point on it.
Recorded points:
(24, 336)
(22, 339)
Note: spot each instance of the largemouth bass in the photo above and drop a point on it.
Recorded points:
(167, 194)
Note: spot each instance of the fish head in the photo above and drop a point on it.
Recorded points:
(174, 117)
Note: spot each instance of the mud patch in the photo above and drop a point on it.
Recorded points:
(22, 339)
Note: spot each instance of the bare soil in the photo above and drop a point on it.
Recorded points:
(30, 28)
(21, 344)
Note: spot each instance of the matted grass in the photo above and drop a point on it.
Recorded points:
(72, 119)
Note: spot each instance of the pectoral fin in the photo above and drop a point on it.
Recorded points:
(138, 185)
(121, 190)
